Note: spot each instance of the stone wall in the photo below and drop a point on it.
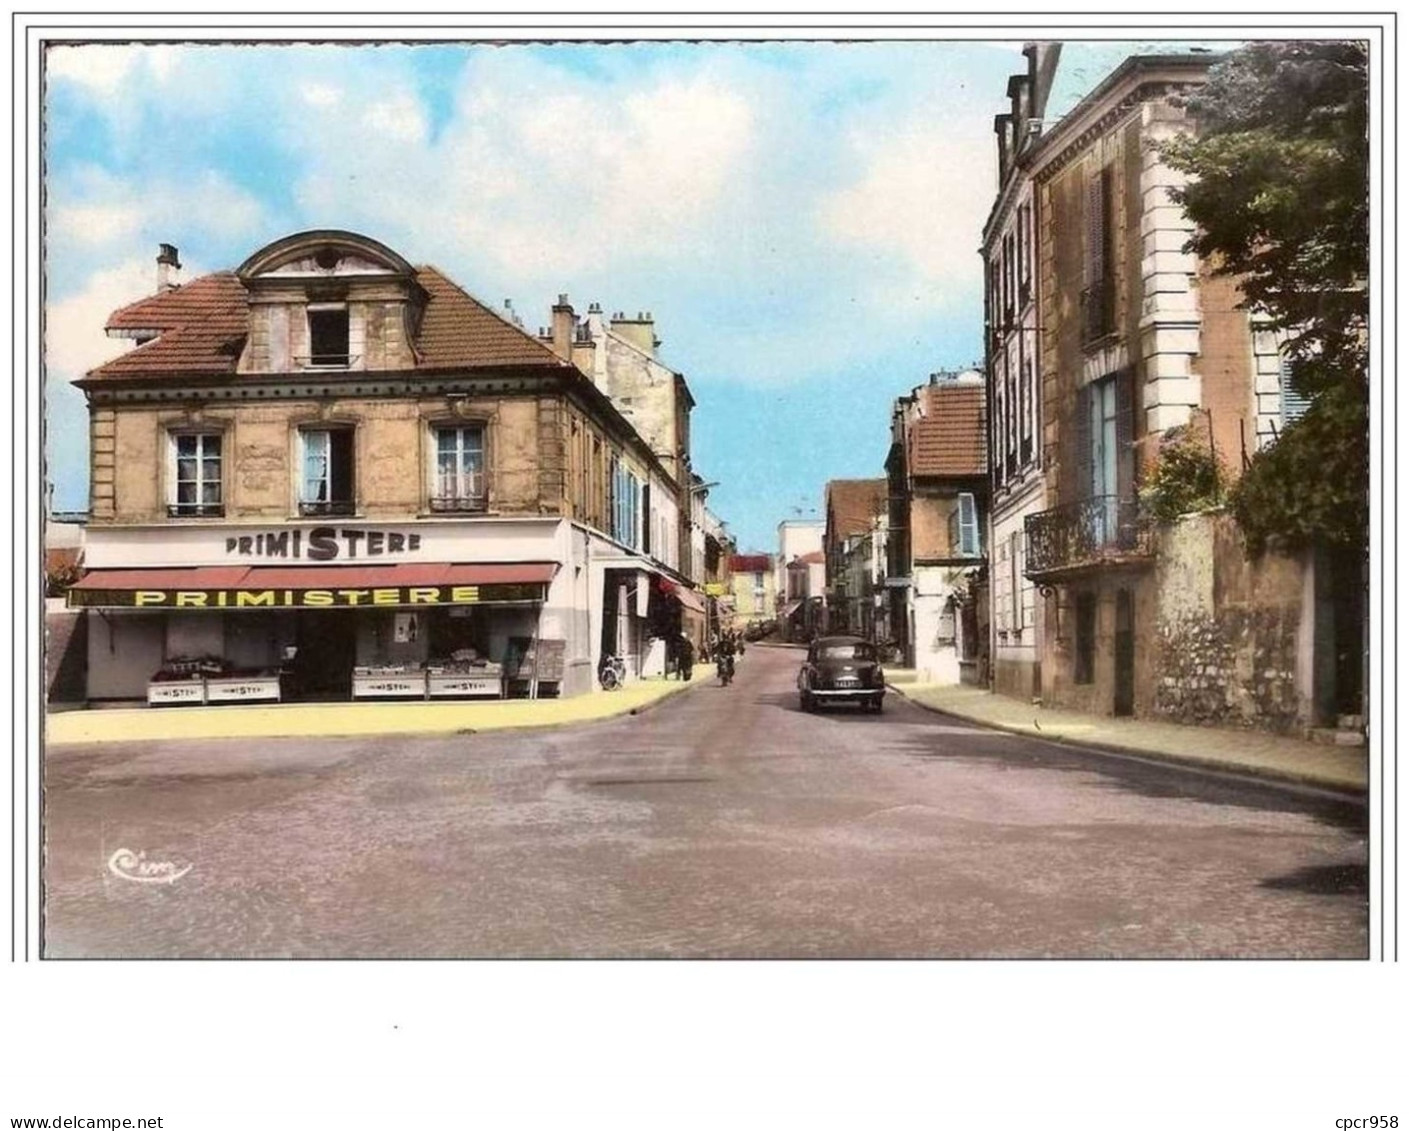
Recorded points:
(1226, 647)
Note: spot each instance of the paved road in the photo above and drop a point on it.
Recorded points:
(724, 823)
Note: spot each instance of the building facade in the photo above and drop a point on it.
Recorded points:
(856, 514)
(1013, 340)
(1143, 347)
(937, 494)
(753, 590)
(330, 474)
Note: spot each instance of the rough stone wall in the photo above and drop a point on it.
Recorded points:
(1227, 630)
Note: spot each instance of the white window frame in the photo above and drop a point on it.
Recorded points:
(197, 509)
(963, 528)
(329, 503)
(459, 490)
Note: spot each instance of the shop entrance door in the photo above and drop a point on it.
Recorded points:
(327, 651)
(1124, 653)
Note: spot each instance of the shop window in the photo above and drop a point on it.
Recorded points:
(963, 527)
(195, 478)
(460, 483)
(328, 337)
(1084, 667)
(326, 485)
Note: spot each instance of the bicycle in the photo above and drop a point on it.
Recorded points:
(611, 672)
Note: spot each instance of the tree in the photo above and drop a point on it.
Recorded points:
(1279, 193)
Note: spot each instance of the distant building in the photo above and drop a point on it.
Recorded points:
(937, 496)
(754, 585)
(796, 539)
(854, 549)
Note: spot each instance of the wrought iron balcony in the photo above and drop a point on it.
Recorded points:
(1094, 533)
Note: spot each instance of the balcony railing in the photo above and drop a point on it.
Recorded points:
(195, 510)
(1101, 531)
(327, 507)
(458, 504)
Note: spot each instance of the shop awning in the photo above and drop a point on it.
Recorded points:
(690, 599)
(789, 609)
(243, 587)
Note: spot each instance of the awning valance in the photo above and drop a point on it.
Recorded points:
(252, 587)
(690, 600)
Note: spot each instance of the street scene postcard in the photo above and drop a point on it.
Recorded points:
(713, 497)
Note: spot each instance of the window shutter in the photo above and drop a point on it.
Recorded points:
(1095, 266)
(1125, 433)
(1294, 404)
(1081, 442)
(968, 525)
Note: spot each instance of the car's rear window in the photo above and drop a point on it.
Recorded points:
(847, 652)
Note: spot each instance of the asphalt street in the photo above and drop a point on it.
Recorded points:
(723, 823)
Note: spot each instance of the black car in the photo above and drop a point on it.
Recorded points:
(842, 669)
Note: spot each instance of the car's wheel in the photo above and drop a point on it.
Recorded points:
(805, 701)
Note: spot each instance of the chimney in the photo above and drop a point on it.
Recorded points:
(564, 328)
(639, 331)
(168, 263)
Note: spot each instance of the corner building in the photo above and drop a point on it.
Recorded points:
(330, 474)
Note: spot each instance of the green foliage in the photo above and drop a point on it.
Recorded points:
(1279, 192)
(1187, 478)
(1309, 486)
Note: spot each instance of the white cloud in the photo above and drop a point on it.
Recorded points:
(538, 172)
(74, 340)
(104, 68)
(921, 200)
(320, 94)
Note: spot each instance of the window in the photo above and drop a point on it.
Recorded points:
(963, 527)
(1024, 254)
(328, 336)
(625, 505)
(196, 479)
(459, 483)
(1294, 404)
(1098, 295)
(326, 485)
(1084, 667)
(758, 590)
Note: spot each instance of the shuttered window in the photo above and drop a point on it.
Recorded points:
(1294, 404)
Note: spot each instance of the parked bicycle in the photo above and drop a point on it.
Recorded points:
(611, 672)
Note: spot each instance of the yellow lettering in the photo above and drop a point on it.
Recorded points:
(244, 597)
(318, 597)
(352, 595)
(221, 598)
(464, 594)
(149, 597)
(427, 596)
(386, 596)
(189, 599)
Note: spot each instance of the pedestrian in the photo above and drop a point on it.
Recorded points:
(685, 652)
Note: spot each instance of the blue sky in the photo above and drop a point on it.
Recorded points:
(801, 218)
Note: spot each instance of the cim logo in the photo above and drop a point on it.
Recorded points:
(134, 866)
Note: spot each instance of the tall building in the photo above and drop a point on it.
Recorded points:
(329, 473)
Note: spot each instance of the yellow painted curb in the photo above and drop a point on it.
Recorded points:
(297, 720)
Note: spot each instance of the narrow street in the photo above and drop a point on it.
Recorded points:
(724, 823)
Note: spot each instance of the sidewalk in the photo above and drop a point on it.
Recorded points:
(325, 720)
(1234, 751)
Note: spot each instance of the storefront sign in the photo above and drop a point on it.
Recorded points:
(383, 597)
(322, 543)
(715, 589)
(174, 691)
(240, 690)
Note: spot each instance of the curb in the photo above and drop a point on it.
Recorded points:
(624, 712)
(1269, 773)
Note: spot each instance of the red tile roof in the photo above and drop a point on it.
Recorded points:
(202, 328)
(852, 503)
(950, 438)
(813, 557)
(750, 563)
